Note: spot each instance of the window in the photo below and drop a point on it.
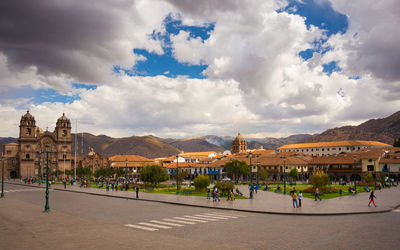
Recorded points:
(64, 156)
(8, 152)
(307, 150)
(27, 146)
(327, 149)
(340, 149)
(317, 149)
(64, 132)
(27, 156)
(312, 149)
(333, 148)
(322, 149)
(28, 131)
(358, 148)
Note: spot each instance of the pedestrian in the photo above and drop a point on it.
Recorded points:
(317, 194)
(300, 198)
(65, 183)
(208, 193)
(294, 197)
(340, 192)
(137, 192)
(107, 187)
(214, 193)
(112, 186)
(116, 186)
(371, 198)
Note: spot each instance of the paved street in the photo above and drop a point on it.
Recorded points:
(98, 222)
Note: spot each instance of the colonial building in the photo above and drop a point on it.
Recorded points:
(94, 161)
(133, 163)
(239, 145)
(331, 148)
(28, 157)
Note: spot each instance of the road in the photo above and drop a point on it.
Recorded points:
(95, 222)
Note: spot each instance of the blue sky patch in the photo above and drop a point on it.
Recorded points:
(331, 67)
(166, 64)
(319, 13)
(38, 96)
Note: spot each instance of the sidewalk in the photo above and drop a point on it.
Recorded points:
(263, 202)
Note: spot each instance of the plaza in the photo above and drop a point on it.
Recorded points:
(96, 219)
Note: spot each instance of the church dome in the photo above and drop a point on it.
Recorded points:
(27, 116)
(63, 118)
(239, 138)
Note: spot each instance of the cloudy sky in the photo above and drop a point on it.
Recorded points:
(179, 68)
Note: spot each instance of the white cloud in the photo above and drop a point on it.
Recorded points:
(257, 83)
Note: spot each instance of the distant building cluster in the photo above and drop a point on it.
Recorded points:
(344, 160)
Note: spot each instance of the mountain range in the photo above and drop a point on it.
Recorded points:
(384, 130)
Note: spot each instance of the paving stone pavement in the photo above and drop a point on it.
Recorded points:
(263, 202)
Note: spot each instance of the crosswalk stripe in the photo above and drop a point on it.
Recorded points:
(199, 218)
(227, 214)
(179, 221)
(217, 217)
(153, 225)
(140, 227)
(187, 219)
(224, 216)
(166, 223)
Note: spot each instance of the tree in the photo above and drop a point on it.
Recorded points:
(119, 172)
(369, 179)
(263, 174)
(294, 174)
(224, 186)
(236, 168)
(319, 180)
(201, 182)
(153, 174)
(181, 176)
(80, 172)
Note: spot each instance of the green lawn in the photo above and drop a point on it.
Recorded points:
(360, 189)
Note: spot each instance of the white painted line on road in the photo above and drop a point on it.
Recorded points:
(199, 218)
(179, 221)
(140, 227)
(187, 219)
(228, 215)
(219, 217)
(166, 223)
(209, 217)
(397, 210)
(153, 225)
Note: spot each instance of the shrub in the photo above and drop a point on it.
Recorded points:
(319, 179)
(224, 187)
(201, 182)
(369, 178)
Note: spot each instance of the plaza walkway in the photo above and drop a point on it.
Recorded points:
(263, 202)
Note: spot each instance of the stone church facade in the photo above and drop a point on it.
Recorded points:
(239, 145)
(29, 155)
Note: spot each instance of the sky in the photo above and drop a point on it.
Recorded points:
(181, 68)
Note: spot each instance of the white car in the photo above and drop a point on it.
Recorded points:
(226, 179)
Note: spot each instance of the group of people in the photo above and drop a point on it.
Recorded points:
(296, 197)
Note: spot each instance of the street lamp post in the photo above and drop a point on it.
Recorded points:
(251, 177)
(355, 180)
(177, 175)
(284, 175)
(2, 176)
(374, 175)
(126, 171)
(47, 206)
(258, 174)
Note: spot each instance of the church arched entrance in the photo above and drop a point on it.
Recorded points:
(13, 174)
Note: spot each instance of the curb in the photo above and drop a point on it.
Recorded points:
(221, 208)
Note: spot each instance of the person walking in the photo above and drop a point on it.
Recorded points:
(317, 194)
(294, 197)
(65, 183)
(112, 186)
(107, 186)
(300, 198)
(137, 192)
(371, 198)
(214, 193)
(208, 193)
